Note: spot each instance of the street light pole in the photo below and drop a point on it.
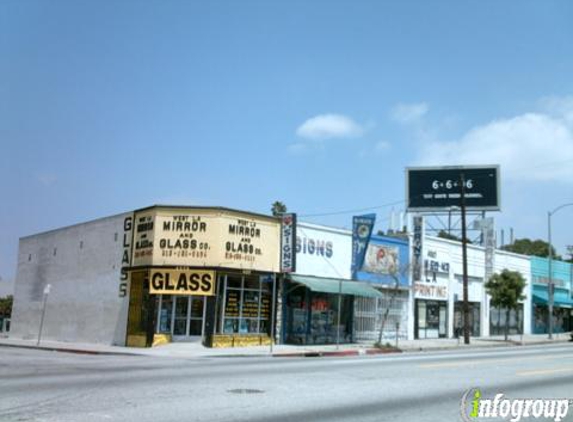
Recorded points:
(550, 286)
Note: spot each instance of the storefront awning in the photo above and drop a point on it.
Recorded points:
(332, 285)
(560, 299)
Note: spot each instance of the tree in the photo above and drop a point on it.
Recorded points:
(506, 290)
(6, 306)
(394, 290)
(531, 247)
(278, 208)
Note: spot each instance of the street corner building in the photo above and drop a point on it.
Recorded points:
(154, 275)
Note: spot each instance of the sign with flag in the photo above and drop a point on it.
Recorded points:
(362, 226)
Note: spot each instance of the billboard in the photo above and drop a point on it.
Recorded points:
(440, 188)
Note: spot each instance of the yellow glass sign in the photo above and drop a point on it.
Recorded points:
(206, 238)
(182, 282)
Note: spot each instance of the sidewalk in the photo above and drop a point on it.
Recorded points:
(196, 350)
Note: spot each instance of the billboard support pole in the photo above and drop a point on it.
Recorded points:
(466, 309)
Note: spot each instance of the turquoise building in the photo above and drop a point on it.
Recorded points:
(562, 276)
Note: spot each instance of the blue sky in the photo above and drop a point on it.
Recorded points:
(108, 106)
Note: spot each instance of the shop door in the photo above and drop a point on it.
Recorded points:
(182, 316)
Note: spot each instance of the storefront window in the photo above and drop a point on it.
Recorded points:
(431, 319)
(562, 320)
(498, 317)
(246, 307)
(312, 317)
(474, 319)
(166, 314)
(181, 316)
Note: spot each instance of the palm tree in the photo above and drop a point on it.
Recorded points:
(278, 208)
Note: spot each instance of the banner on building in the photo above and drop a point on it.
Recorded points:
(288, 243)
(417, 244)
(362, 227)
(489, 243)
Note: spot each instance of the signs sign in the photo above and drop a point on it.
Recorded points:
(182, 282)
(362, 227)
(417, 244)
(439, 188)
(206, 238)
(288, 239)
(323, 251)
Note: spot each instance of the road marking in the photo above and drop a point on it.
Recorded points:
(458, 364)
(543, 372)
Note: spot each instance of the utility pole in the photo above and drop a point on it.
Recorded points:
(466, 307)
(550, 284)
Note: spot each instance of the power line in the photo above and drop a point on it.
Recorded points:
(354, 210)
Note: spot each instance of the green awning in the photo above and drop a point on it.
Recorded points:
(332, 285)
(561, 299)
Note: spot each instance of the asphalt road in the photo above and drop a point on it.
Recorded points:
(52, 386)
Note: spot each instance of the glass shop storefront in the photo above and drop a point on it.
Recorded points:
(244, 304)
(183, 317)
(237, 311)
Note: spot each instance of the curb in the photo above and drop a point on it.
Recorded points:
(337, 353)
(66, 350)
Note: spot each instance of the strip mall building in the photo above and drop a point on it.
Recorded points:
(209, 274)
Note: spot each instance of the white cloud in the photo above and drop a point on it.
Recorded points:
(529, 147)
(409, 113)
(559, 106)
(327, 126)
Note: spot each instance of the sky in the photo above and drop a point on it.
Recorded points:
(109, 106)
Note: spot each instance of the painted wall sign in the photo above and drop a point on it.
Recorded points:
(182, 282)
(209, 238)
(387, 262)
(323, 252)
(288, 240)
(430, 291)
(125, 255)
(381, 259)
